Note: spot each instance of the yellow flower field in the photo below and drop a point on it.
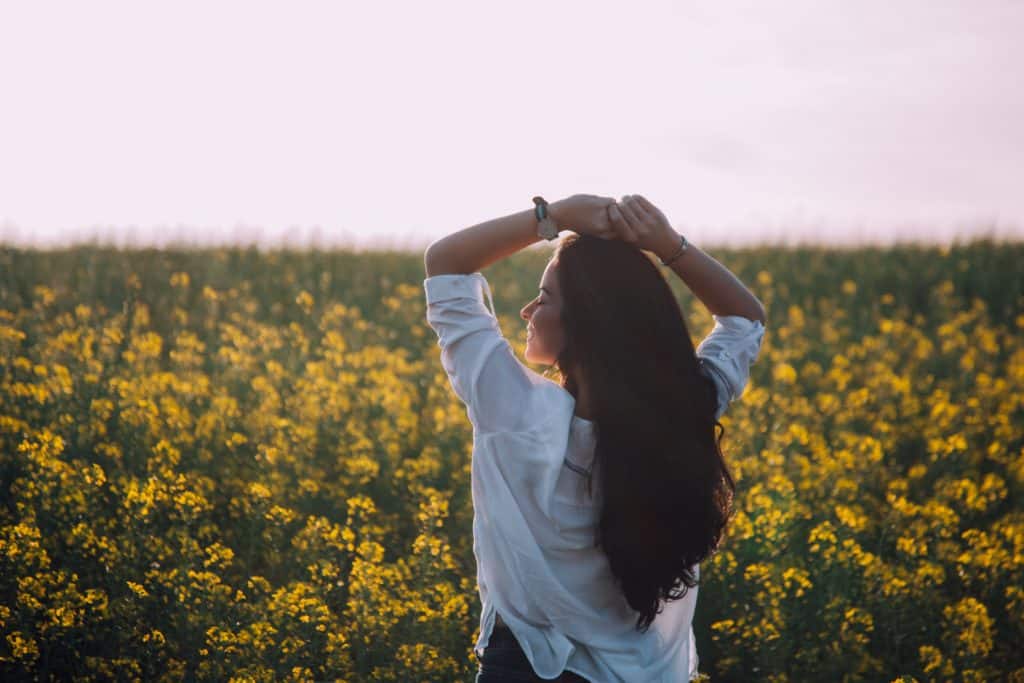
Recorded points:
(236, 465)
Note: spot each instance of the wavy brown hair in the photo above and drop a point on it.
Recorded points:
(665, 488)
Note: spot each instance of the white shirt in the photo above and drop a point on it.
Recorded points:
(533, 523)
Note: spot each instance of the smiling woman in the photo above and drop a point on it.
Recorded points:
(544, 331)
(572, 575)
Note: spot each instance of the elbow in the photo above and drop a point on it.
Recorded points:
(761, 317)
(433, 261)
(754, 313)
(428, 260)
(757, 312)
(443, 257)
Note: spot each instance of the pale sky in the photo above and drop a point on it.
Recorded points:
(395, 123)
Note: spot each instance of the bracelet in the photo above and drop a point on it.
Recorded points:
(682, 250)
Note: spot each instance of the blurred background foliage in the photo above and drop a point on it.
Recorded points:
(233, 464)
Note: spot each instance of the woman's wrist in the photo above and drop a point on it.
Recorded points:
(557, 211)
(667, 245)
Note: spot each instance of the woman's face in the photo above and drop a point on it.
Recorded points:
(544, 337)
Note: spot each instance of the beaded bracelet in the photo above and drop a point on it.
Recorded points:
(682, 250)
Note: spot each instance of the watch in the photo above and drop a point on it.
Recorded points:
(546, 226)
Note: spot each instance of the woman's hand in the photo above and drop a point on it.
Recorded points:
(639, 222)
(586, 214)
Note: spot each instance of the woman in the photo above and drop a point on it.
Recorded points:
(594, 498)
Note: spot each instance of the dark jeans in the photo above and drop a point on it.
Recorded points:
(505, 662)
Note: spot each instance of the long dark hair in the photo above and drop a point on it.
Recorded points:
(665, 488)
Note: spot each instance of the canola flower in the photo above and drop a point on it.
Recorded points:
(227, 465)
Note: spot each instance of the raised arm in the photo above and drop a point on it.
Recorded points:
(471, 249)
(710, 281)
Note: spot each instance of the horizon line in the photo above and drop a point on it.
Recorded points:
(822, 234)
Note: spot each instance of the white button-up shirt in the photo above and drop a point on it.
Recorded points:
(533, 523)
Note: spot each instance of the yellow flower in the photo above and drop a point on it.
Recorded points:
(969, 628)
(784, 373)
(305, 301)
(22, 647)
(138, 589)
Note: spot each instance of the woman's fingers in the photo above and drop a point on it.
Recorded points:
(652, 211)
(620, 222)
(643, 201)
(635, 221)
(642, 213)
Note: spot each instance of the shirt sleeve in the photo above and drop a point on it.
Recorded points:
(500, 393)
(727, 353)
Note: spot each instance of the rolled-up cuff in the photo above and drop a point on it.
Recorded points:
(458, 286)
